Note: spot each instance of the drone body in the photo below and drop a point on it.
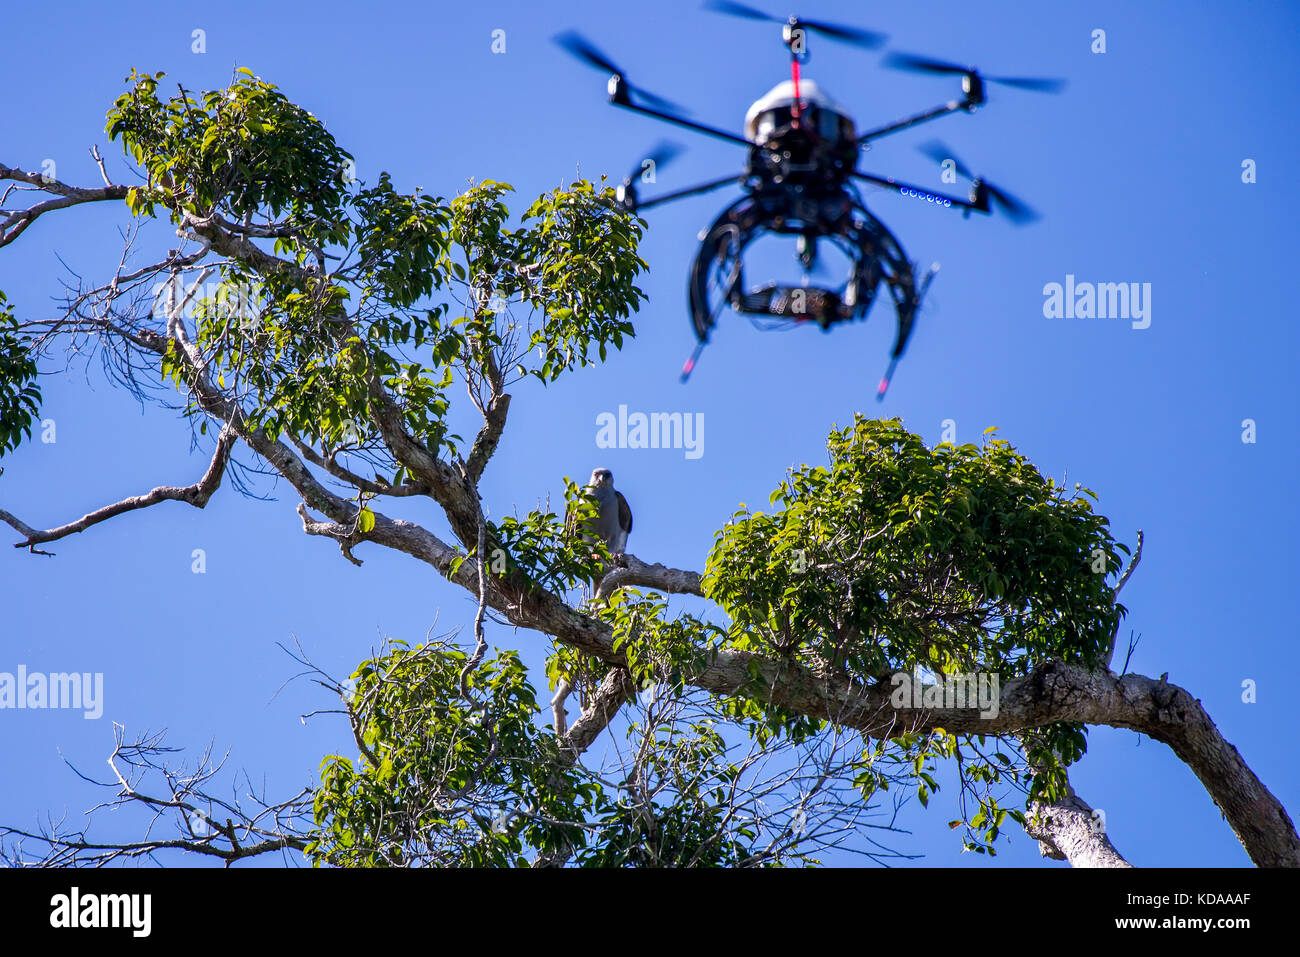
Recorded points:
(798, 181)
(803, 149)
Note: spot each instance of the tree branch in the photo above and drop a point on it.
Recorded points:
(633, 571)
(616, 690)
(561, 716)
(1133, 564)
(1070, 830)
(1123, 580)
(196, 495)
(14, 222)
(1052, 692)
(356, 481)
(485, 443)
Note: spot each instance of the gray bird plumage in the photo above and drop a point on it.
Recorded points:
(613, 521)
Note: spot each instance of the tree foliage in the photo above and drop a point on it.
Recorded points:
(893, 555)
(20, 395)
(303, 340)
(452, 776)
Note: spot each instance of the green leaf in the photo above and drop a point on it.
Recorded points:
(365, 521)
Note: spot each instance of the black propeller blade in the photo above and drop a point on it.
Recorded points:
(664, 152)
(739, 10)
(579, 46)
(1016, 210)
(918, 64)
(862, 38)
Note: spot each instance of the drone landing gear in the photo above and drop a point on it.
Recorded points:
(689, 367)
(907, 309)
(717, 278)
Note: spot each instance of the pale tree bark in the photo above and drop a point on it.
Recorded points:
(1070, 830)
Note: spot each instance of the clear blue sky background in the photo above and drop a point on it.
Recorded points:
(1135, 168)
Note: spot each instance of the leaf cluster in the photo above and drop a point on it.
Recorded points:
(957, 558)
(20, 395)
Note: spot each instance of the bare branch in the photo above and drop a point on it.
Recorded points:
(329, 464)
(99, 161)
(616, 690)
(252, 825)
(14, 222)
(1128, 572)
(196, 495)
(1133, 564)
(480, 642)
(633, 571)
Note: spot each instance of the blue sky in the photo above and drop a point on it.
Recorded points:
(1135, 168)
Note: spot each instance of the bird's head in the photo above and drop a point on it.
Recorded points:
(601, 478)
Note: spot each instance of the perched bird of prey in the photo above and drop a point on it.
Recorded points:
(613, 521)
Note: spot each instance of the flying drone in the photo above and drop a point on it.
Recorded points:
(799, 181)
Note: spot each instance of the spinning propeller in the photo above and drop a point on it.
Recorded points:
(659, 157)
(1016, 210)
(862, 38)
(578, 45)
(917, 64)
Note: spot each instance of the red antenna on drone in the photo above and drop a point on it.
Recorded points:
(794, 38)
(690, 363)
(884, 381)
(794, 76)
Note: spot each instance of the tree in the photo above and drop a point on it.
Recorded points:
(900, 606)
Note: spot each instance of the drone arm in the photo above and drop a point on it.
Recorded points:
(951, 106)
(679, 121)
(690, 191)
(981, 204)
